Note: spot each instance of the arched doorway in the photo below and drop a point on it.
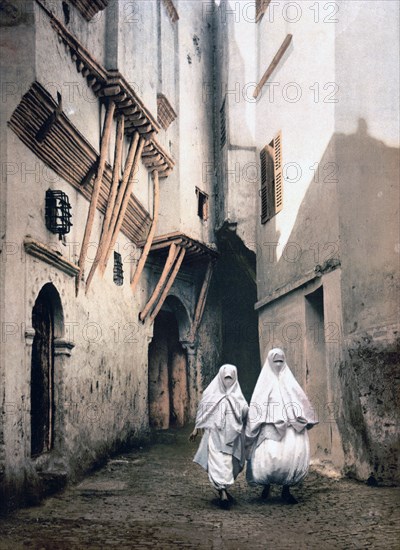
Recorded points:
(46, 319)
(168, 376)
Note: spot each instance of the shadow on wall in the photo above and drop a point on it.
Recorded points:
(236, 280)
(351, 213)
(368, 201)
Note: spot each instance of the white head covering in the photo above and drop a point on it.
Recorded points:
(277, 402)
(220, 402)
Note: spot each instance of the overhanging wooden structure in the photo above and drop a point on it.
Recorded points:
(58, 143)
(68, 153)
(176, 249)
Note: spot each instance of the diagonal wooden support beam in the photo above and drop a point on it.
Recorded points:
(201, 301)
(150, 237)
(111, 198)
(105, 140)
(172, 254)
(125, 201)
(116, 172)
(274, 63)
(118, 200)
(169, 284)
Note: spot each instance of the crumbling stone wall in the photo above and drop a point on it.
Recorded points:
(370, 416)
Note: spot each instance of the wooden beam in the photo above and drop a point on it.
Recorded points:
(160, 246)
(172, 254)
(111, 198)
(201, 301)
(118, 200)
(105, 140)
(116, 171)
(150, 237)
(125, 201)
(273, 65)
(169, 284)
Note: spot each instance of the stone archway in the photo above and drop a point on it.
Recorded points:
(47, 322)
(168, 368)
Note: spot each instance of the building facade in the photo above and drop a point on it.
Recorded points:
(107, 328)
(310, 165)
(186, 184)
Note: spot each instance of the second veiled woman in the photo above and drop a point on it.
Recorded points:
(221, 413)
(277, 443)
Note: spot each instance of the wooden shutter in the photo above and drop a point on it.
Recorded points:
(222, 124)
(271, 179)
(278, 176)
(267, 175)
(263, 190)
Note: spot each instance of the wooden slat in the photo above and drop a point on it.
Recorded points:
(106, 248)
(125, 201)
(273, 65)
(172, 254)
(147, 246)
(96, 188)
(201, 301)
(111, 198)
(169, 284)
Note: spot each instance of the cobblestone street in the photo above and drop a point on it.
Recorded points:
(158, 498)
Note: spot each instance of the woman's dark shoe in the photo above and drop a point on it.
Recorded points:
(265, 493)
(287, 496)
(223, 499)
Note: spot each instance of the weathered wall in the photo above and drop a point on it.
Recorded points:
(346, 210)
(237, 166)
(285, 323)
(367, 153)
(340, 205)
(101, 349)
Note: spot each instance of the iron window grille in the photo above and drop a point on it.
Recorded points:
(118, 269)
(57, 212)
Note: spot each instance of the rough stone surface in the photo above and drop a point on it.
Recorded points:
(158, 498)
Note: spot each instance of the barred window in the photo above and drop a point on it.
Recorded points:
(118, 269)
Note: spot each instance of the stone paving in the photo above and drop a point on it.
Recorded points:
(157, 498)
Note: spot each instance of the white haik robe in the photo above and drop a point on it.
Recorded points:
(221, 413)
(277, 443)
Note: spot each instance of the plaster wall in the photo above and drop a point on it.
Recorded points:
(195, 118)
(283, 323)
(101, 378)
(238, 172)
(367, 153)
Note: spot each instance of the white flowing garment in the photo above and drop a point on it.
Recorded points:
(221, 413)
(277, 443)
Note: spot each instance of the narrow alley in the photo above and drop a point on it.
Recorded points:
(156, 497)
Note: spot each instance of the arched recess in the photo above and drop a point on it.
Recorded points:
(48, 325)
(168, 367)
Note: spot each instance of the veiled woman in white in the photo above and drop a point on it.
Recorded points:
(277, 444)
(221, 413)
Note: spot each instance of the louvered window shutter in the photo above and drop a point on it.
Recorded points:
(278, 176)
(271, 179)
(264, 187)
(267, 183)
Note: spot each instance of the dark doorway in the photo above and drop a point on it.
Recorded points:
(42, 374)
(236, 280)
(316, 369)
(168, 380)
